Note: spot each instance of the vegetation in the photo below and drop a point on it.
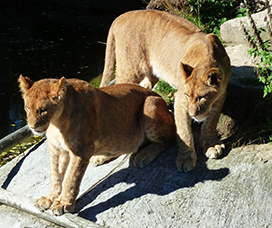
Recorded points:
(206, 14)
(261, 48)
(165, 91)
(211, 14)
(20, 148)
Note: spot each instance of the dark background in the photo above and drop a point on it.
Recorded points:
(51, 39)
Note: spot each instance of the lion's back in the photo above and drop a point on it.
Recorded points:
(150, 19)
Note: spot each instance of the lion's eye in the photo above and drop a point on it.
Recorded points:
(202, 99)
(41, 111)
(187, 96)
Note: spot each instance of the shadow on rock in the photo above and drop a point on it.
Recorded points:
(17, 167)
(246, 116)
(160, 178)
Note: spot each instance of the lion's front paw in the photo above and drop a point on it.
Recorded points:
(186, 161)
(215, 152)
(43, 203)
(59, 208)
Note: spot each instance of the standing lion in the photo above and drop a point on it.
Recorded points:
(147, 45)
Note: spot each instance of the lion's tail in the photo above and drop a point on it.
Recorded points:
(110, 60)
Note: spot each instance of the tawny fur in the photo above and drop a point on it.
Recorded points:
(83, 123)
(149, 44)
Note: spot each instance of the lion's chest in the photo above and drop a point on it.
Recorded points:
(56, 138)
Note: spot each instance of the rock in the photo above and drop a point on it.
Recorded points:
(243, 65)
(234, 191)
(14, 138)
(237, 46)
(244, 115)
(232, 32)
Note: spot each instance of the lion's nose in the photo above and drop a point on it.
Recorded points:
(33, 125)
(194, 111)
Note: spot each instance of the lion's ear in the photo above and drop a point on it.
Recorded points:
(25, 84)
(58, 90)
(186, 71)
(213, 77)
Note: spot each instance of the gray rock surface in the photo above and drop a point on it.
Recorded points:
(235, 191)
(243, 66)
(11, 217)
(232, 33)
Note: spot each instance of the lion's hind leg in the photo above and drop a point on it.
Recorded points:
(149, 81)
(159, 128)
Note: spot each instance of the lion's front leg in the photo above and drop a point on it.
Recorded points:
(186, 157)
(212, 147)
(59, 161)
(71, 183)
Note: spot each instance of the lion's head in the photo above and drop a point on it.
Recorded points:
(201, 89)
(42, 101)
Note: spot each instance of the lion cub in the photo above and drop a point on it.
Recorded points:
(145, 45)
(82, 122)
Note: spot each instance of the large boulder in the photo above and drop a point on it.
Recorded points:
(232, 31)
(237, 45)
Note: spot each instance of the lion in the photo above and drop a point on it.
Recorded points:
(145, 45)
(83, 123)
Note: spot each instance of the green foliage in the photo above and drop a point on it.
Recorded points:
(262, 50)
(165, 91)
(241, 12)
(210, 14)
(8, 155)
(206, 14)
